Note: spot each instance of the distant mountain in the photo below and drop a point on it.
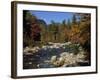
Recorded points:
(40, 21)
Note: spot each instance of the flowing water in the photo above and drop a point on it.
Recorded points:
(41, 59)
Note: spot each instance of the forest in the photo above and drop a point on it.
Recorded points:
(77, 31)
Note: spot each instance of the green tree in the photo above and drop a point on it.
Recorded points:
(69, 24)
(54, 27)
(74, 19)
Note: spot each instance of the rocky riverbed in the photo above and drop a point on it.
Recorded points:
(54, 55)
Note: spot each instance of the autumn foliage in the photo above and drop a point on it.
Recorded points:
(76, 30)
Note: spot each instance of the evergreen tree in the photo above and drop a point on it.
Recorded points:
(74, 19)
(69, 24)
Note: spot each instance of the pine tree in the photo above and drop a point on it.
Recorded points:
(74, 19)
(69, 24)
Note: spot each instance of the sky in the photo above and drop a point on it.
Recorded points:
(48, 16)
